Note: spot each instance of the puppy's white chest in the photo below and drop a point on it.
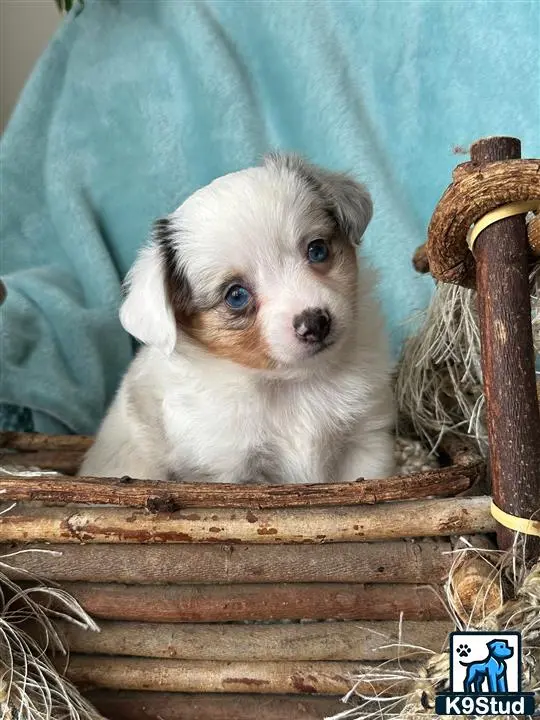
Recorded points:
(276, 434)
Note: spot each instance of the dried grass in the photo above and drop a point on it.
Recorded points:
(439, 383)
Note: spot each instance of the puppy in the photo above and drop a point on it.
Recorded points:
(265, 358)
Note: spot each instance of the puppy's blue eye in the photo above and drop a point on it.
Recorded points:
(237, 297)
(317, 251)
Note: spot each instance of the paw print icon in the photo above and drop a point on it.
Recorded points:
(463, 650)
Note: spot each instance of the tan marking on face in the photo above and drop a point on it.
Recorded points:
(236, 338)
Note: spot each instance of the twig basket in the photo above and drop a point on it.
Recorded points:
(191, 585)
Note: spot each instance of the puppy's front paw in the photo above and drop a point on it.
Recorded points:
(373, 459)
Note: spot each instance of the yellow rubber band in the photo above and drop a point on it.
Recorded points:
(500, 213)
(518, 524)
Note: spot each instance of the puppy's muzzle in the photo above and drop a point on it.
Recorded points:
(312, 325)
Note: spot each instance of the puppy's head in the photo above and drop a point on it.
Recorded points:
(259, 267)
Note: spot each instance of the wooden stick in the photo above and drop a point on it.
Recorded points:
(463, 451)
(296, 642)
(421, 518)
(227, 603)
(421, 259)
(31, 442)
(174, 496)
(63, 461)
(176, 706)
(278, 678)
(399, 561)
(504, 310)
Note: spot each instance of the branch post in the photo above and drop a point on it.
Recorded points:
(499, 268)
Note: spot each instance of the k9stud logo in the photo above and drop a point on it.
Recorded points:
(485, 676)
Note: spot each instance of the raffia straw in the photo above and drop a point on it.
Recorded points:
(30, 686)
(439, 382)
(521, 612)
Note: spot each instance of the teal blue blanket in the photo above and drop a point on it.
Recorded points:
(136, 104)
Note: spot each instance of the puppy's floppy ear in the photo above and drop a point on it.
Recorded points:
(146, 312)
(349, 201)
(352, 203)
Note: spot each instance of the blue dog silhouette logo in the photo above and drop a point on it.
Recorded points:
(491, 670)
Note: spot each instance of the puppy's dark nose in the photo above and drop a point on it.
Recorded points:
(312, 325)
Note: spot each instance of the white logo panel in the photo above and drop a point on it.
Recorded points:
(485, 662)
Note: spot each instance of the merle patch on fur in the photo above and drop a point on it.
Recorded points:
(176, 282)
(346, 202)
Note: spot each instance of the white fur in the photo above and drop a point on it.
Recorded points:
(184, 412)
